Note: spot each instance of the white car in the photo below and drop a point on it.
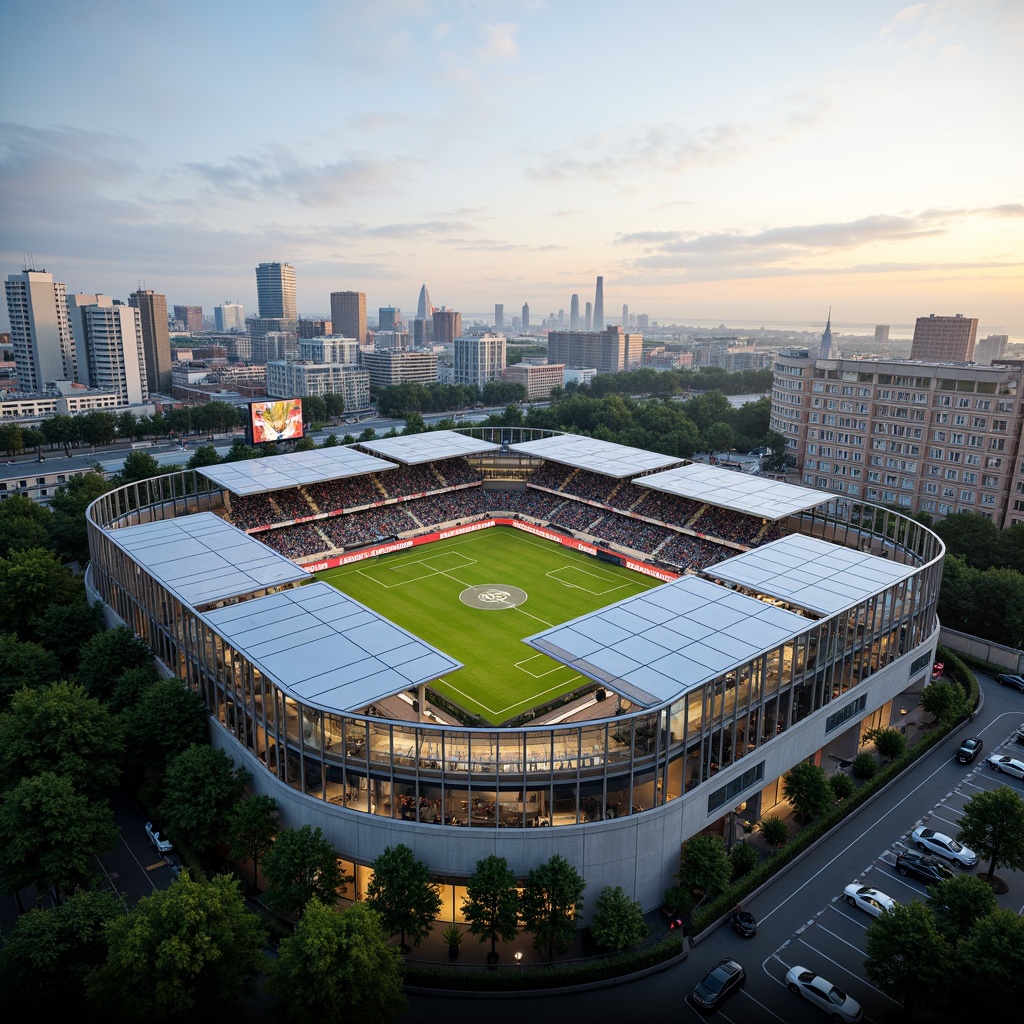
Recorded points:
(1010, 765)
(945, 846)
(870, 900)
(815, 989)
(160, 844)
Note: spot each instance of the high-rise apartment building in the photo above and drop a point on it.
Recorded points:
(991, 348)
(272, 338)
(589, 319)
(574, 313)
(109, 351)
(230, 316)
(944, 339)
(539, 380)
(499, 317)
(526, 316)
(156, 340)
(348, 315)
(625, 317)
(389, 318)
(478, 358)
(598, 322)
(190, 318)
(396, 367)
(275, 291)
(609, 351)
(447, 325)
(41, 336)
(313, 327)
(881, 334)
(924, 436)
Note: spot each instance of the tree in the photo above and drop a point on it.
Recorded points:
(985, 980)
(24, 524)
(138, 466)
(61, 729)
(65, 629)
(335, 405)
(337, 966)
(706, 868)
(491, 905)
(550, 904)
(957, 903)
(841, 785)
(743, 858)
(167, 719)
(201, 788)
(252, 826)
(300, 866)
(618, 922)
(68, 506)
(993, 826)
(31, 581)
(50, 835)
(806, 788)
(24, 664)
(191, 951)
(107, 655)
(774, 830)
(907, 958)
(945, 700)
(204, 455)
(48, 954)
(889, 743)
(403, 895)
(864, 765)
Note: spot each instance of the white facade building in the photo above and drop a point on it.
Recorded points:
(477, 359)
(108, 347)
(40, 330)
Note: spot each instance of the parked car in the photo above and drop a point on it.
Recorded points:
(969, 750)
(1019, 735)
(720, 982)
(1010, 765)
(160, 844)
(944, 846)
(923, 867)
(744, 922)
(1009, 679)
(872, 901)
(815, 989)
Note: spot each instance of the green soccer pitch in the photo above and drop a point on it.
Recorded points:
(476, 596)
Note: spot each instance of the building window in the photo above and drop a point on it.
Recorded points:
(729, 793)
(855, 707)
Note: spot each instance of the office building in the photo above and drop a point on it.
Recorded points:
(598, 323)
(589, 319)
(944, 339)
(275, 291)
(447, 325)
(389, 318)
(397, 367)
(348, 315)
(881, 334)
(991, 348)
(44, 349)
(299, 379)
(390, 340)
(825, 348)
(424, 307)
(539, 380)
(477, 359)
(499, 317)
(313, 327)
(625, 317)
(284, 344)
(229, 316)
(932, 437)
(526, 317)
(109, 352)
(609, 351)
(156, 340)
(190, 318)
(574, 313)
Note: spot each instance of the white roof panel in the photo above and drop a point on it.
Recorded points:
(254, 476)
(202, 559)
(701, 630)
(810, 573)
(753, 495)
(430, 446)
(605, 457)
(326, 649)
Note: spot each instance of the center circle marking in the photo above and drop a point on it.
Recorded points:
(493, 596)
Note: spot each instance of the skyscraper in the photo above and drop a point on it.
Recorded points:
(389, 318)
(108, 346)
(574, 313)
(590, 317)
(825, 348)
(609, 351)
(190, 317)
(944, 339)
(478, 359)
(881, 334)
(499, 317)
(348, 315)
(526, 316)
(275, 290)
(156, 342)
(40, 329)
(625, 317)
(598, 324)
(990, 348)
(423, 306)
(229, 317)
(447, 325)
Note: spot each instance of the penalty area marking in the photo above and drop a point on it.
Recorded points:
(575, 570)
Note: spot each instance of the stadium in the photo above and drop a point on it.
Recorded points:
(520, 642)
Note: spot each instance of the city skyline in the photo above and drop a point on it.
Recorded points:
(725, 165)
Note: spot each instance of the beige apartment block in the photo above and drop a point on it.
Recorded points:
(539, 381)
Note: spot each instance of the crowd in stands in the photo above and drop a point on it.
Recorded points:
(728, 524)
(397, 483)
(301, 540)
(574, 515)
(554, 475)
(367, 525)
(348, 492)
(293, 503)
(632, 533)
(688, 552)
(249, 511)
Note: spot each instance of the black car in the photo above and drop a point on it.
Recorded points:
(969, 750)
(744, 922)
(923, 867)
(1009, 679)
(726, 977)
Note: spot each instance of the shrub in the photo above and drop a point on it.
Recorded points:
(864, 765)
(842, 786)
(744, 859)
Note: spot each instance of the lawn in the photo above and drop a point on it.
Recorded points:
(420, 589)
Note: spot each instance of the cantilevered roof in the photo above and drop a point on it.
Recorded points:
(671, 638)
(327, 650)
(605, 457)
(811, 573)
(754, 495)
(202, 559)
(430, 446)
(254, 476)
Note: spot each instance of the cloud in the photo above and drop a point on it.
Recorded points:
(499, 42)
(902, 18)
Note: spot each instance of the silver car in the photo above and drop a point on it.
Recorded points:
(944, 846)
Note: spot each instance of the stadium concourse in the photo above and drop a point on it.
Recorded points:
(786, 624)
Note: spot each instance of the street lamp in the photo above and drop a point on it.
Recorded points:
(519, 959)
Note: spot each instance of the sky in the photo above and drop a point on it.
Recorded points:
(731, 161)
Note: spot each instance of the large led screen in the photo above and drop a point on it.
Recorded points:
(276, 421)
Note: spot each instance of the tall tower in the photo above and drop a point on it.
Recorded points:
(825, 348)
(40, 329)
(598, 324)
(574, 313)
(447, 325)
(499, 317)
(625, 317)
(526, 317)
(590, 318)
(389, 318)
(108, 346)
(348, 315)
(944, 339)
(156, 342)
(423, 306)
(275, 290)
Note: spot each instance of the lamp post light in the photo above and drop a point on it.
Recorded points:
(519, 959)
